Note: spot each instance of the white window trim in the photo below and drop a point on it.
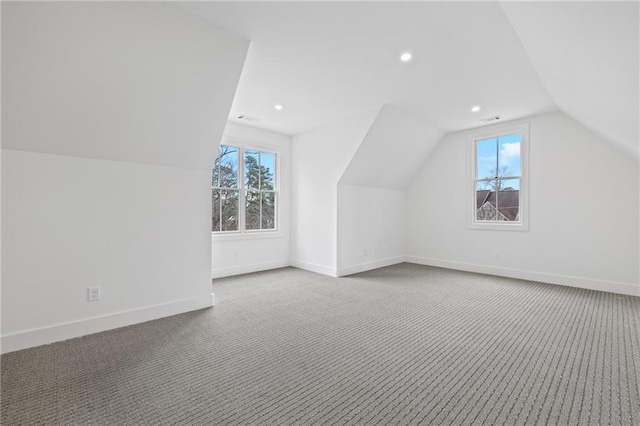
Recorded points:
(523, 223)
(250, 234)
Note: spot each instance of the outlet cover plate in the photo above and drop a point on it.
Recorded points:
(93, 294)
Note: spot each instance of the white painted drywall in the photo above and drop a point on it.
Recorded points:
(583, 212)
(324, 60)
(319, 158)
(371, 198)
(371, 228)
(141, 82)
(587, 54)
(70, 223)
(111, 114)
(393, 150)
(238, 254)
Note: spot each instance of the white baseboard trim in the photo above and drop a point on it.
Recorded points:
(56, 333)
(368, 266)
(246, 269)
(587, 283)
(314, 267)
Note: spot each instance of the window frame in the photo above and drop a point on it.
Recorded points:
(495, 132)
(242, 232)
(237, 188)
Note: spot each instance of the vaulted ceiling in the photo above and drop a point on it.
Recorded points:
(325, 60)
(587, 55)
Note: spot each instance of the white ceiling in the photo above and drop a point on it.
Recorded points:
(587, 55)
(325, 60)
(379, 164)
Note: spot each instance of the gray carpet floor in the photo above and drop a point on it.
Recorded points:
(405, 344)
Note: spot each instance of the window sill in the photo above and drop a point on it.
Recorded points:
(241, 236)
(499, 226)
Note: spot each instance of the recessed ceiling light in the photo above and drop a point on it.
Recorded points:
(406, 57)
(278, 107)
(475, 108)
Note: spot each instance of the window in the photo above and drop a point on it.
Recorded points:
(260, 194)
(244, 190)
(499, 179)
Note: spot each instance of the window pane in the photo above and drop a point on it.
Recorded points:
(485, 202)
(267, 169)
(259, 184)
(229, 201)
(509, 184)
(228, 160)
(252, 210)
(509, 155)
(215, 173)
(215, 210)
(508, 200)
(499, 168)
(268, 210)
(498, 201)
(486, 160)
(252, 169)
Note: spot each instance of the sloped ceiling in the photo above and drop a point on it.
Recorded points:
(587, 56)
(325, 60)
(138, 82)
(394, 148)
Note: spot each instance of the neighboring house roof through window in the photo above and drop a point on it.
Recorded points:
(508, 209)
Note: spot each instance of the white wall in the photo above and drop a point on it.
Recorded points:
(371, 228)
(394, 149)
(319, 158)
(111, 114)
(70, 223)
(583, 212)
(239, 254)
(371, 201)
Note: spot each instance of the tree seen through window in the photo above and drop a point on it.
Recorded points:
(498, 177)
(255, 189)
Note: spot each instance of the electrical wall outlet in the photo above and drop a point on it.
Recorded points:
(93, 294)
